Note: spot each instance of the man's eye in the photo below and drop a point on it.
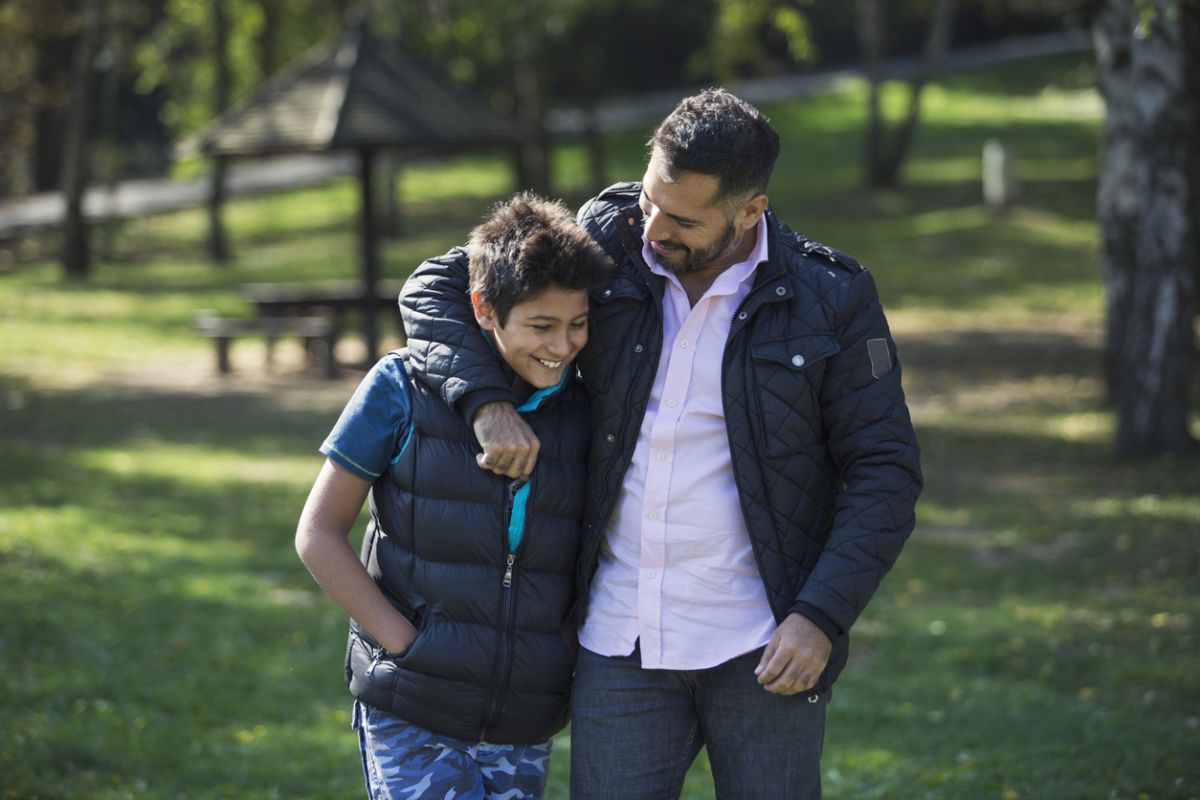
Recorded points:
(541, 328)
(579, 325)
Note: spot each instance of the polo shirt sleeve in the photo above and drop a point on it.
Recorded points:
(374, 425)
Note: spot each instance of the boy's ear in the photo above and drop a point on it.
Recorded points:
(484, 314)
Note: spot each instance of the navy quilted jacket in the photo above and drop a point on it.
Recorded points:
(824, 454)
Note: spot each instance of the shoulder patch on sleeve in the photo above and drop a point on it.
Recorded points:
(828, 253)
(881, 357)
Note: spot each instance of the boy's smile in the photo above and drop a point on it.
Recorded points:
(542, 334)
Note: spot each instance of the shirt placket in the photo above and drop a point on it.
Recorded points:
(656, 498)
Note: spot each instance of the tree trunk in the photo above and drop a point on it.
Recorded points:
(265, 42)
(1117, 195)
(218, 242)
(75, 257)
(886, 154)
(535, 157)
(51, 92)
(1155, 367)
(870, 40)
(533, 161)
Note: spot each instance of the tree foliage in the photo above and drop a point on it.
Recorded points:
(177, 54)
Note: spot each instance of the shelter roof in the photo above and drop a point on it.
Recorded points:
(357, 92)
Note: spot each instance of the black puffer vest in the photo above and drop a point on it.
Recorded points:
(489, 661)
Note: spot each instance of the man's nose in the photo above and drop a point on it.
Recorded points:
(655, 225)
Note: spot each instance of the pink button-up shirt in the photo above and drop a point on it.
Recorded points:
(676, 569)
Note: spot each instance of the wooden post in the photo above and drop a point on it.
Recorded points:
(999, 176)
(388, 177)
(370, 267)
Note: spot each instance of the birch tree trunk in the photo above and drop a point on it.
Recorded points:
(1154, 370)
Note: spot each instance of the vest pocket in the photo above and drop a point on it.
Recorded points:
(787, 382)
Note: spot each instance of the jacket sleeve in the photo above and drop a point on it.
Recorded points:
(873, 445)
(445, 343)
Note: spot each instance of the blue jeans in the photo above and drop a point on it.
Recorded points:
(635, 732)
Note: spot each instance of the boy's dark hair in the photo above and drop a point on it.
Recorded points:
(716, 133)
(528, 244)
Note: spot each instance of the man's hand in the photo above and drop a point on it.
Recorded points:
(510, 447)
(795, 657)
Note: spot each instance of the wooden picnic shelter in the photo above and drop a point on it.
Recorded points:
(363, 94)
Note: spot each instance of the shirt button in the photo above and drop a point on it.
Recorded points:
(661, 456)
(672, 403)
(653, 515)
(797, 360)
(649, 573)
(684, 343)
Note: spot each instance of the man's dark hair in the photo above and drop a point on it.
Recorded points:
(715, 133)
(528, 244)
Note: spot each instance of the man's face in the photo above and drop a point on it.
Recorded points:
(686, 229)
(542, 335)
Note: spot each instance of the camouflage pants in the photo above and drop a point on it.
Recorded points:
(402, 761)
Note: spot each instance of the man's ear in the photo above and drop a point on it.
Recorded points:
(484, 314)
(751, 211)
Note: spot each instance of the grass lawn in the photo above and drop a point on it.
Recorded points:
(1038, 639)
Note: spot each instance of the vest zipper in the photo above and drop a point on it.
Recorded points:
(508, 608)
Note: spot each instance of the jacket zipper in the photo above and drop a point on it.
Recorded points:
(508, 607)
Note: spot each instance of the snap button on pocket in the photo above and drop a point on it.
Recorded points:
(797, 360)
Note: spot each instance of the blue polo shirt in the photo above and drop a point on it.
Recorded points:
(374, 426)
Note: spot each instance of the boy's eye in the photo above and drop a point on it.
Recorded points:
(579, 325)
(541, 328)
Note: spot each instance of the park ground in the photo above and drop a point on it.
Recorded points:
(1037, 639)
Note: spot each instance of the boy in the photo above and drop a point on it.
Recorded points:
(460, 655)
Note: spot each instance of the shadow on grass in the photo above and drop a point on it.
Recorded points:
(152, 610)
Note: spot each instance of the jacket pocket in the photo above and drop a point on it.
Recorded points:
(787, 383)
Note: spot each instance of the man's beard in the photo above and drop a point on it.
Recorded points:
(697, 260)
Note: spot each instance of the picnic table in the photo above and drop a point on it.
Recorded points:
(331, 299)
(314, 312)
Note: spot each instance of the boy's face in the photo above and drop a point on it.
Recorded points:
(542, 335)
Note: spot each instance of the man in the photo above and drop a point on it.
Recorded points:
(753, 468)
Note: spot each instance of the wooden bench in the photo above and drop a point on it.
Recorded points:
(317, 333)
